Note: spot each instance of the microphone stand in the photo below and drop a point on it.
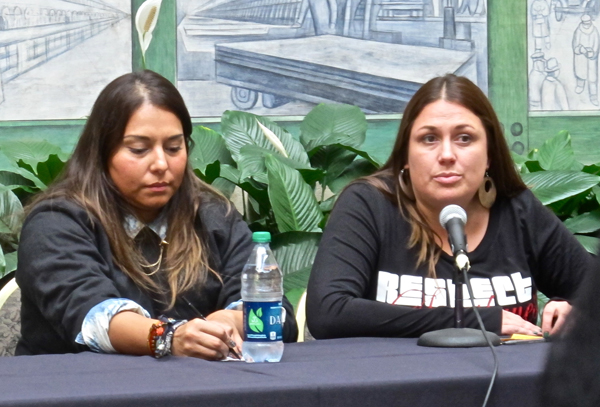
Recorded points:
(459, 336)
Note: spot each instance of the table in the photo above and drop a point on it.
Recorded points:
(341, 372)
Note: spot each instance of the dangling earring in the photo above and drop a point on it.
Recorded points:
(487, 191)
(408, 191)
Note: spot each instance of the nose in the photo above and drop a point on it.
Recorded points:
(159, 163)
(447, 153)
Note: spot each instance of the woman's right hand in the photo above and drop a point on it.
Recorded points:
(202, 339)
(514, 324)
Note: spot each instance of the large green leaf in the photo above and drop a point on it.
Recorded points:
(583, 153)
(209, 147)
(252, 163)
(3, 270)
(294, 285)
(333, 160)
(230, 173)
(11, 262)
(31, 152)
(293, 201)
(585, 223)
(241, 129)
(328, 124)
(357, 169)
(596, 191)
(295, 250)
(11, 213)
(519, 161)
(552, 186)
(48, 170)
(365, 155)
(7, 165)
(259, 194)
(591, 244)
(224, 186)
(557, 154)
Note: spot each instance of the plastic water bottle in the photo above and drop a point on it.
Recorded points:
(262, 291)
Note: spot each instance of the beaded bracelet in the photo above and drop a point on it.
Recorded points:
(160, 336)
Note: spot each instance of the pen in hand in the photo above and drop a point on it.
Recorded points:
(231, 343)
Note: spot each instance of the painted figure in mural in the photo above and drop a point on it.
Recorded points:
(586, 43)
(540, 11)
(332, 14)
(554, 96)
(472, 6)
(536, 80)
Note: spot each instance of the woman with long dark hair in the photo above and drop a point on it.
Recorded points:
(385, 266)
(128, 247)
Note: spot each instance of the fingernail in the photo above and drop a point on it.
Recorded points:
(232, 344)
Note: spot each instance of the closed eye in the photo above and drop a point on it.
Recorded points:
(138, 151)
(174, 150)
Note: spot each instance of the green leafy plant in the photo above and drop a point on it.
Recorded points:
(289, 184)
(565, 185)
(26, 167)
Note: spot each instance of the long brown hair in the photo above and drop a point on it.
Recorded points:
(459, 90)
(86, 181)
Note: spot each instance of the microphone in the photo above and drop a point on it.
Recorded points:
(453, 218)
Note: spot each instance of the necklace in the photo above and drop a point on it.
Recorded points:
(157, 263)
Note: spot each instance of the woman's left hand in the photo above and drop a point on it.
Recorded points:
(554, 315)
(233, 319)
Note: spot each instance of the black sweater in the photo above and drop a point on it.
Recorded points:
(65, 268)
(365, 282)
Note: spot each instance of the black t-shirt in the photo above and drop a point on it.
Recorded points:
(365, 281)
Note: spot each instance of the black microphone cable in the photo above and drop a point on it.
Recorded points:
(483, 331)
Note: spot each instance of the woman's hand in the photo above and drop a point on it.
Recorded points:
(206, 339)
(514, 324)
(233, 319)
(554, 316)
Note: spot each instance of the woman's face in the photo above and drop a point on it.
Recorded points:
(148, 166)
(447, 155)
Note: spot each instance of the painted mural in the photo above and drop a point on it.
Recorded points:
(280, 57)
(563, 44)
(52, 49)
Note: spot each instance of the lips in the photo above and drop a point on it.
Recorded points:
(447, 178)
(158, 186)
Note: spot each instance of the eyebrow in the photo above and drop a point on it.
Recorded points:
(146, 138)
(459, 127)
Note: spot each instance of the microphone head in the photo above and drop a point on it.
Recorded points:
(451, 212)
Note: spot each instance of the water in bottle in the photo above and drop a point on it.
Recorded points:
(262, 291)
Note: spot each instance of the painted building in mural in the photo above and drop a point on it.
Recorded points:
(34, 35)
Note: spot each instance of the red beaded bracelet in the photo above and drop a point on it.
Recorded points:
(160, 337)
(156, 331)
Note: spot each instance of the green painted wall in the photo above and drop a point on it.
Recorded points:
(507, 33)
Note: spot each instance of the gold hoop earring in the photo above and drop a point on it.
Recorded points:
(407, 189)
(487, 192)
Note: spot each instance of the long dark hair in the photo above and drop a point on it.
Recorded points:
(459, 90)
(86, 181)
